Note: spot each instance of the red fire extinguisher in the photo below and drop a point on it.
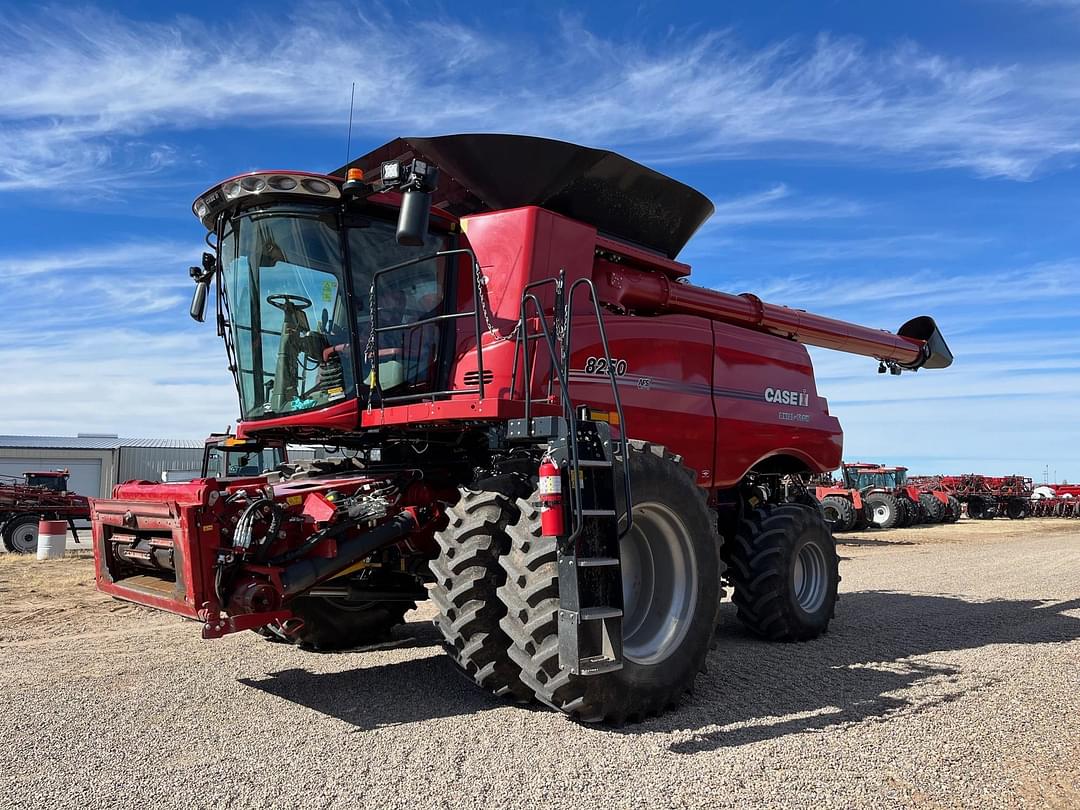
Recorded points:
(552, 518)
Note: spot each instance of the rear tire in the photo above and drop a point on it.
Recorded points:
(1016, 510)
(934, 509)
(467, 578)
(862, 518)
(785, 572)
(839, 513)
(21, 534)
(337, 624)
(952, 513)
(665, 637)
(884, 510)
(976, 508)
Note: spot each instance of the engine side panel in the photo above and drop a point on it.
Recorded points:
(767, 405)
(664, 371)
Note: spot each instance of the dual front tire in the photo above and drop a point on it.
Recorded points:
(781, 563)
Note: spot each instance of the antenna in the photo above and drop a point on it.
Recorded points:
(348, 140)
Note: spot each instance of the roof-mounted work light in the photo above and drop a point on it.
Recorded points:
(416, 180)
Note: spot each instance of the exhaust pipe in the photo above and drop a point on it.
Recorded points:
(300, 576)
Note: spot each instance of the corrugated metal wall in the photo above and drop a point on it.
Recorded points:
(147, 463)
(54, 458)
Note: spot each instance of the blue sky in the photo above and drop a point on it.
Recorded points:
(868, 161)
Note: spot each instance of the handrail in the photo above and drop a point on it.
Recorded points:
(560, 366)
(376, 330)
(623, 446)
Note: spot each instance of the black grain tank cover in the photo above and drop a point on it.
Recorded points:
(620, 198)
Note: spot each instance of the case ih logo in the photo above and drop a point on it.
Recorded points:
(781, 397)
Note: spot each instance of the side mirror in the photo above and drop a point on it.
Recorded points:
(412, 224)
(198, 300)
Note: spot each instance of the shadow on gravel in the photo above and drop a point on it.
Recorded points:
(851, 540)
(394, 694)
(756, 690)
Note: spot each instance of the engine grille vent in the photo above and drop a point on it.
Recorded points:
(473, 377)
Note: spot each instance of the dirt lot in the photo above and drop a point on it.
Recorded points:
(949, 679)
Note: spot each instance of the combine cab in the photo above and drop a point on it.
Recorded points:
(39, 496)
(544, 428)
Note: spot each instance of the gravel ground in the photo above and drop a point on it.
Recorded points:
(949, 679)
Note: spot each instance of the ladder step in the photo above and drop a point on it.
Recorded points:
(597, 665)
(592, 614)
(591, 462)
(595, 562)
(598, 512)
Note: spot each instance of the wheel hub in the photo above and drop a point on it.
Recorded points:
(660, 584)
(25, 539)
(810, 577)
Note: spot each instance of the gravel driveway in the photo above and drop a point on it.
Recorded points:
(950, 679)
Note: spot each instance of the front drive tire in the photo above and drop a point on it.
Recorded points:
(934, 509)
(671, 591)
(785, 572)
(467, 577)
(338, 624)
(839, 513)
(884, 510)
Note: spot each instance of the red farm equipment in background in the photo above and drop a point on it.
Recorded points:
(845, 509)
(986, 497)
(38, 496)
(545, 428)
(891, 502)
(936, 499)
(1056, 500)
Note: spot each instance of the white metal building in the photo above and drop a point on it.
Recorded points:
(96, 461)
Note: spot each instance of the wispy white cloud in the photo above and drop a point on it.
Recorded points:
(116, 91)
(778, 203)
(117, 259)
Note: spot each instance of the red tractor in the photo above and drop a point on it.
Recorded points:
(933, 492)
(891, 501)
(39, 496)
(845, 509)
(545, 429)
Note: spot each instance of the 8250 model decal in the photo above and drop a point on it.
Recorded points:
(599, 365)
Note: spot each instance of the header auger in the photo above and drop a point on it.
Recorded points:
(543, 427)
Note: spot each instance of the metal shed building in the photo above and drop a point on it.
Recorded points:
(97, 462)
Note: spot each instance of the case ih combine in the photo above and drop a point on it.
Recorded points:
(544, 422)
(39, 496)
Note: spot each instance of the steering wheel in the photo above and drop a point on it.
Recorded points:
(285, 300)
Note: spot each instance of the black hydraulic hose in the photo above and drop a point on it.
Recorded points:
(302, 575)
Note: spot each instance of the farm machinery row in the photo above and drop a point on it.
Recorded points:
(873, 495)
(882, 497)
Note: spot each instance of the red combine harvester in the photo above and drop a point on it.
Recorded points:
(38, 496)
(543, 422)
(987, 497)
